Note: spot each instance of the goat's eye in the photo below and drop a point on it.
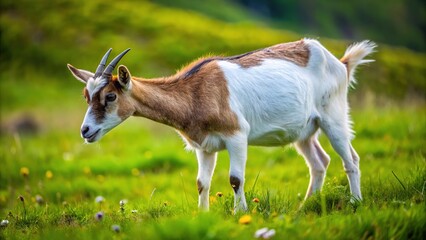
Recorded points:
(110, 97)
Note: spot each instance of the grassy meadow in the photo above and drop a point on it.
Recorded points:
(138, 182)
(59, 179)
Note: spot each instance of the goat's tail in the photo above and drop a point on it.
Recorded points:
(354, 56)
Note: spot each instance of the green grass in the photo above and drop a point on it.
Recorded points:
(146, 164)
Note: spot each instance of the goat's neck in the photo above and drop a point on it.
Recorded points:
(167, 101)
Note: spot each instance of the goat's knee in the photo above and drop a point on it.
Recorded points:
(237, 184)
(203, 194)
(200, 187)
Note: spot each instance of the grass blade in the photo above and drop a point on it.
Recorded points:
(399, 181)
(255, 181)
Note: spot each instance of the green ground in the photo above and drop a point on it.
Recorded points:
(59, 177)
(145, 163)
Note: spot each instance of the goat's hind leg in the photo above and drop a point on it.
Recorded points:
(317, 161)
(323, 156)
(338, 132)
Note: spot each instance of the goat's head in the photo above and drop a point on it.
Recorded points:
(108, 97)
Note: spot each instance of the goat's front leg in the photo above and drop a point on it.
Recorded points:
(206, 165)
(237, 148)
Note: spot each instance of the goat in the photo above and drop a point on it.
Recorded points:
(269, 97)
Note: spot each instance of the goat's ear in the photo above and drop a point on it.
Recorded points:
(79, 74)
(124, 77)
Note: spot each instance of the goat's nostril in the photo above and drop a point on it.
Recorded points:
(84, 130)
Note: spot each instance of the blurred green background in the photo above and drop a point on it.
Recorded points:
(38, 39)
(41, 109)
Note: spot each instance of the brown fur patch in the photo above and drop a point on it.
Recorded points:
(200, 187)
(86, 95)
(344, 60)
(296, 52)
(194, 104)
(98, 109)
(194, 67)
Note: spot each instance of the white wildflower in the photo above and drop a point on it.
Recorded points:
(39, 199)
(123, 202)
(269, 234)
(264, 233)
(115, 228)
(99, 199)
(4, 223)
(99, 216)
(260, 232)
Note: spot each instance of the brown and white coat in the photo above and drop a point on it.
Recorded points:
(270, 97)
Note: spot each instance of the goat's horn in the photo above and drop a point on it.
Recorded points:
(113, 63)
(102, 64)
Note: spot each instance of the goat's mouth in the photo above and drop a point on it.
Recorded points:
(93, 137)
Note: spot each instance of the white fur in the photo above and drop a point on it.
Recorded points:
(89, 121)
(110, 121)
(279, 102)
(94, 85)
(275, 99)
(356, 54)
(207, 163)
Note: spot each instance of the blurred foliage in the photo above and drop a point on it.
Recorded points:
(224, 10)
(396, 22)
(41, 38)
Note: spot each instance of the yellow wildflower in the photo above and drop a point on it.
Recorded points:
(24, 171)
(213, 199)
(135, 172)
(100, 178)
(87, 171)
(245, 219)
(49, 174)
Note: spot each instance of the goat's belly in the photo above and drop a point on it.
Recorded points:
(272, 138)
